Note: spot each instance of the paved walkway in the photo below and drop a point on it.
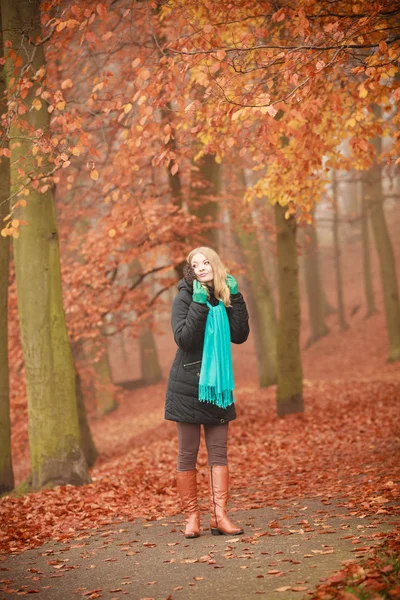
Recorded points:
(284, 553)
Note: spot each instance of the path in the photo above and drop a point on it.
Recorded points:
(289, 546)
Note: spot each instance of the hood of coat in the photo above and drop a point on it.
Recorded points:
(184, 285)
(189, 275)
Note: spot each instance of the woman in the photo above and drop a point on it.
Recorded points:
(207, 315)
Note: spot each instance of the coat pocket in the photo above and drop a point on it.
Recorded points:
(194, 366)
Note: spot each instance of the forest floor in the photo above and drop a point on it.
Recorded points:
(317, 493)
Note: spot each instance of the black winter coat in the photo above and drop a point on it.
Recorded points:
(188, 324)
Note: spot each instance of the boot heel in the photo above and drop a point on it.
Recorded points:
(215, 531)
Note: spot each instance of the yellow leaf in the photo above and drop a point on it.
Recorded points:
(37, 104)
(127, 108)
(94, 174)
(112, 233)
(351, 122)
(14, 223)
(362, 91)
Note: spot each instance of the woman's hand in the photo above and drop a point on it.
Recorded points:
(232, 284)
(199, 293)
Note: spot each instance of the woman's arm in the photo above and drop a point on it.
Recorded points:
(238, 319)
(188, 321)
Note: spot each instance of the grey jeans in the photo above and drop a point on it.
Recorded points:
(189, 441)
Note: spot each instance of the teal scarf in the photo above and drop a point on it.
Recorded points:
(216, 382)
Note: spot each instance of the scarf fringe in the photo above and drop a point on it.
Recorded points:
(222, 399)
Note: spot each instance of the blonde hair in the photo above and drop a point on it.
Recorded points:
(221, 290)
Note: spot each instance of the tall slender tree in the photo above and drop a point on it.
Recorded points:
(375, 198)
(366, 254)
(204, 191)
(290, 372)
(6, 469)
(86, 441)
(316, 304)
(336, 245)
(56, 456)
(261, 293)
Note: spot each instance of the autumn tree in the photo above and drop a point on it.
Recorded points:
(375, 198)
(315, 297)
(56, 456)
(6, 470)
(366, 251)
(265, 328)
(337, 252)
(290, 374)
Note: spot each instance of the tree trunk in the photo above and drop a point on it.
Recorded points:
(374, 197)
(368, 287)
(86, 440)
(316, 303)
(105, 399)
(150, 366)
(205, 188)
(261, 294)
(290, 373)
(328, 308)
(6, 469)
(151, 370)
(56, 457)
(336, 245)
(174, 180)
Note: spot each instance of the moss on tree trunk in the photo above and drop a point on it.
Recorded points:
(6, 469)
(290, 373)
(56, 457)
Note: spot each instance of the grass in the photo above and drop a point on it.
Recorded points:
(375, 578)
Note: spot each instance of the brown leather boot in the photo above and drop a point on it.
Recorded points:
(187, 489)
(219, 486)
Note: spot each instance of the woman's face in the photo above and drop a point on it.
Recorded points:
(202, 268)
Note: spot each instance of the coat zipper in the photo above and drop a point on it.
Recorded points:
(196, 362)
(213, 497)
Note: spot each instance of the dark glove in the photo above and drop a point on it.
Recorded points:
(232, 284)
(199, 293)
